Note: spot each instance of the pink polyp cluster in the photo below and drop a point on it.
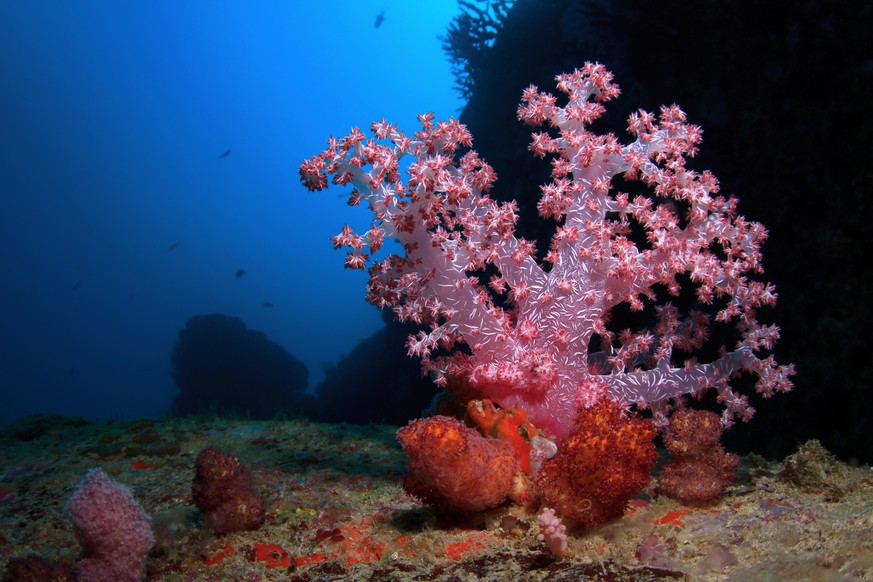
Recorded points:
(548, 348)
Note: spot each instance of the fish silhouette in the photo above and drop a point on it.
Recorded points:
(267, 304)
(224, 154)
(172, 247)
(380, 18)
(240, 273)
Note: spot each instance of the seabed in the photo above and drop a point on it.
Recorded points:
(336, 511)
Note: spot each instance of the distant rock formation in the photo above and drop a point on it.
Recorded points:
(376, 382)
(221, 366)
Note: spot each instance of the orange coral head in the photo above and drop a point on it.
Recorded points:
(602, 463)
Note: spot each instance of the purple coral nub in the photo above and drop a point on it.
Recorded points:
(114, 530)
(224, 492)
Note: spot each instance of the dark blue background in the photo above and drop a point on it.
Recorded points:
(114, 115)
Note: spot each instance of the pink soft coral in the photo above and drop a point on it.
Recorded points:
(115, 532)
(609, 248)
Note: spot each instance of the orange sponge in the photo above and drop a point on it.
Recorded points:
(454, 467)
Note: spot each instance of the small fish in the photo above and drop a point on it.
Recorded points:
(76, 285)
(380, 18)
(172, 247)
(72, 370)
(267, 304)
(224, 154)
(240, 273)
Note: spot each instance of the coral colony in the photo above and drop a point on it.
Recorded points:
(224, 492)
(534, 337)
(115, 532)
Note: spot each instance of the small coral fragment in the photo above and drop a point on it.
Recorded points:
(454, 467)
(553, 532)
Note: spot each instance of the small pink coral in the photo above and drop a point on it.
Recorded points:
(115, 532)
(604, 462)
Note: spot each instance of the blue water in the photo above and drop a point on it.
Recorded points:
(122, 214)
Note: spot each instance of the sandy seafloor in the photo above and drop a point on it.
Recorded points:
(336, 511)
